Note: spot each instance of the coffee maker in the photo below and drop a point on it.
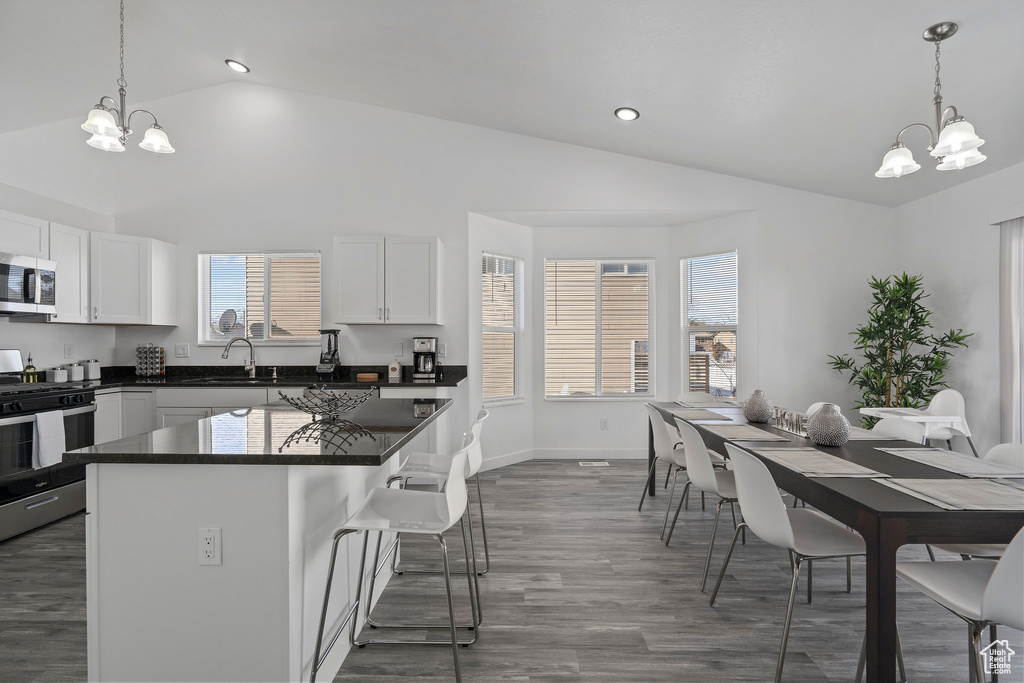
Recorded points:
(328, 368)
(424, 359)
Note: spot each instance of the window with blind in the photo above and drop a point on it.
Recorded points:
(502, 316)
(273, 297)
(598, 328)
(709, 293)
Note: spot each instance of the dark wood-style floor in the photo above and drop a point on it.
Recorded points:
(580, 589)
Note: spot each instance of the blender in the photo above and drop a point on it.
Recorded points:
(328, 367)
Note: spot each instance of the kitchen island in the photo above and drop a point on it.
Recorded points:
(271, 485)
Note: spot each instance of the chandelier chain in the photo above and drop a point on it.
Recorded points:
(938, 83)
(121, 82)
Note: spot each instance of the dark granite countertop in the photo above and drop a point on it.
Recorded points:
(277, 434)
(186, 376)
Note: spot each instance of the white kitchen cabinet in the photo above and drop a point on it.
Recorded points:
(171, 417)
(387, 279)
(137, 408)
(133, 280)
(24, 235)
(108, 417)
(69, 247)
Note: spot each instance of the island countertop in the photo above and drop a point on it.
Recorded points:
(277, 434)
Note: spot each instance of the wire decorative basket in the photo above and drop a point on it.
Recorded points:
(336, 434)
(321, 401)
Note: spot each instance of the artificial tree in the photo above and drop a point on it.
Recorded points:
(903, 361)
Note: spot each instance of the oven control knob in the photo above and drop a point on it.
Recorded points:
(79, 398)
(65, 400)
(14, 406)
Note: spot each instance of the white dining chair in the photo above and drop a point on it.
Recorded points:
(407, 512)
(1011, 455)
(899, 429)
(981, 592)
(705, 478)
(666, 448)
(806, 534)
(950, 402)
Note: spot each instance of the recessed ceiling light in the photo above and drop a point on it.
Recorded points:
(627, 113)
(237, 66)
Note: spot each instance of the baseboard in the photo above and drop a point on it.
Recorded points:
(589, 453)
(507, 459)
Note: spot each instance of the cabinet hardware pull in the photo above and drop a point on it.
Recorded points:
(387, 313)
(380, 314)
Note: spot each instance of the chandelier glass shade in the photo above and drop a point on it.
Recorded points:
(110, 124)
(955, 147)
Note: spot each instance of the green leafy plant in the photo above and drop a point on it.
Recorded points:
(904, 361)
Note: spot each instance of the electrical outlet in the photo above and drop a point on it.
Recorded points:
(69, 351)
(604, 423)
(209, 545)
(181, 351)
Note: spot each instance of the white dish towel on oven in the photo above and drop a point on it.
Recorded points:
(48, 444)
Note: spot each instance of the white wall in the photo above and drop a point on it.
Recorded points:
(45, 341)
(508, 433)
(948, 238)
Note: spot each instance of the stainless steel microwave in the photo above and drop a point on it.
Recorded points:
(27, 285)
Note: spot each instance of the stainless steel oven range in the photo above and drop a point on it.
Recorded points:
(31, 496)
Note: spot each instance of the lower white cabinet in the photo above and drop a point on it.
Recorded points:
(107, 420)
(175, 406)
(137, 409)
(171, 417)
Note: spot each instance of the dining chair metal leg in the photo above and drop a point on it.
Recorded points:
(931, 553)
(676, 517)
(849, 575)
(810, 579)
(728, 556)
(483, 526)
(702, 501)
(789, 618)
(667, 475)
(711, 543)
(668, 505)
(647, 484)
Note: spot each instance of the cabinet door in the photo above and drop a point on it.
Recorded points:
(170, 417)
(24, 235)
(119, 275)
(69, 247)
(411, 272)
(137, 407)
(108, 417)
(359, 280)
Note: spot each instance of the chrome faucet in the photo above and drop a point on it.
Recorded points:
(250, 365)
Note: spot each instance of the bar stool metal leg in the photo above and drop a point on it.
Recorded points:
(348, 621)
(483, 526)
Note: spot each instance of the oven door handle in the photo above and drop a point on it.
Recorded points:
(21, 419)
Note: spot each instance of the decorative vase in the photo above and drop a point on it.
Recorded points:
(757, 408)
(828, 427)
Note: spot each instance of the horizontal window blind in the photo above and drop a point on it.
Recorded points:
(597, 327)
(261, 296)
(710, 314)
(502, 317)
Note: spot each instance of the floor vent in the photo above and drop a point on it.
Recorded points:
(593, 463)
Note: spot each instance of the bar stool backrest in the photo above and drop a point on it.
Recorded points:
(698, 460)
(762, 506)
(1003, 602)
(1009, 454)
(475, 454)
(664, 444)
(455, 495)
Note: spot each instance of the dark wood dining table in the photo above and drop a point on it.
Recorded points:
(885, 517)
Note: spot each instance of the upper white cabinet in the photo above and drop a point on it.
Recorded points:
(24, 236)
(69, 247)
(392, 280)
(134, 280)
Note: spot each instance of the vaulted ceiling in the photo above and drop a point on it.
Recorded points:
(800, 93)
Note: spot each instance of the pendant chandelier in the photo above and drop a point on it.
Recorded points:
(110, 125)
(957, 144)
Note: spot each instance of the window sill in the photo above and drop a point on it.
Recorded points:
(265, 342)
(497, 402)
(630, 398)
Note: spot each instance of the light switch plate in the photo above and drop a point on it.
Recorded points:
(442, 350)
(399, 349)
(181, 351)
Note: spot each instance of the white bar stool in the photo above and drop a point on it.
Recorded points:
(408, 512)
